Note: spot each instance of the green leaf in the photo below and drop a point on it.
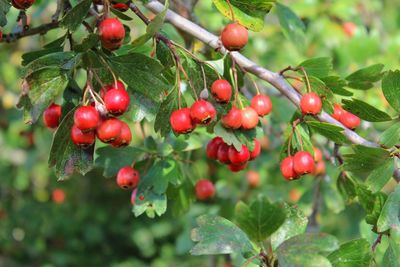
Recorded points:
(31, 56)
(391, 88)
(318, 67)
(76, 15)
(238, 137)
(365, 159)
(380, 176)
(372, 204)
(336, 85)
(319, 87)
(354, 253)
(217, 235)
(164, 55)
(151, 203)
(260, 219)
(332, 197)
(249, 13)
(65, 155)
(347, 187)
(63, 60)
(293, 28)
(4, 8)
(295, 224)
(390, 258)
(120, 15)
(365, 111)
(168, 106)
(330, 131)
(142, 108)
(42, 87)
(111, 160)
(390, 136)
(365, 78)
(390, 214)
(88, 43)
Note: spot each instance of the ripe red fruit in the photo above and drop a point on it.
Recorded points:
(109, 130)
(249, 118)
(128, 177)
(86, 118)
(202, 112)
(52, 115)
(117, 101)
(58, 196)
(238, 157)
(256, 150)
(112, 33)
(22, 4)
(237, 167)
(349, 28)
(125, 136)
(337, 112)
(233, 119)
(82, 139)
(234, 37)
(319, 168)
(287, 169)
(181, 121)
(317, 154)
(222, 91)
(133, 196)
(118, 85)
(350, 120)
(120, 7)
(261, 104)
(212, 147)
(311, 104)
(303, 163)
(223, 153)
(253, 178)
(204, 189)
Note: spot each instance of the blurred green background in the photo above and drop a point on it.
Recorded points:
(87, 221)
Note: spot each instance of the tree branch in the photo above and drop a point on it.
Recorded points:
(273, 78)
(43, 29)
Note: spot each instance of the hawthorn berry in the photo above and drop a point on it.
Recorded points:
(112, 33)
(202, 112)
(223, 153)
(222, 91)
(303, 163)
(204, 189)
(128, 177)
(238, 157)
(82, 139)
(249, 118)
(212, 147)
(120, 7)
(181, 121)
(117, 101)
(237, 167)
(234, 37)
(86, 118)
(233, 119)
(109, 130)
(58, 196)
(125, 136)
(22, 4)
(253, 178)
(287, 169)
(317, 154)
(52, 115)
(337, 112)
(261, 104)
(349, 28)
(319, 168)
(311, 104)
(350, 120)
(118, 85)
(256, 150)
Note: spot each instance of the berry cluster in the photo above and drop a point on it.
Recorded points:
(217, 149)
(302, 163)
(347, 118)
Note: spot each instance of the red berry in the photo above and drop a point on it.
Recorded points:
(202, 112)
(261, 104)
(118, 85)
(237, 167)
(52, 115)
(212, 147)
(234, 37)
(204, 189)
(22, 4)
(337, 112)
(350, 120)
(317, 154)
(117, 101)
(249, 118)
(303, 163)
(128, 177)
(238, 157)
(120, 7)
(125, 136)
(141, 197)
(223, 153)
(253, 178)
(133, 196)
(181, 121)
(311, 104)
(287, 169)
(222, 91)
(112, 33)
(233, 119)
(109, 130)
(58, 196)
(319, 168)
(82, 139)
(256, 150)
(86, 118)
(349, 28)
